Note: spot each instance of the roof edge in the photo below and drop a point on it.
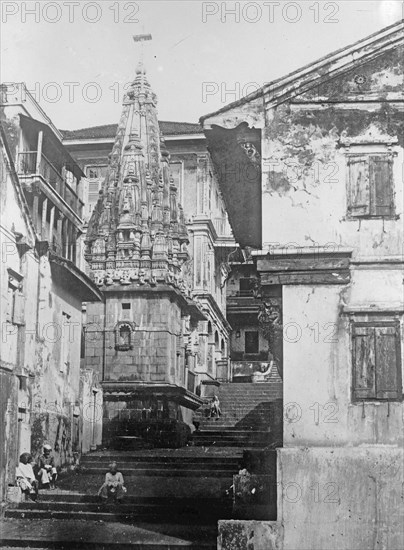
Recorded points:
(314, 66)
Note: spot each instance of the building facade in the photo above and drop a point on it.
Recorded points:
(322, 207)
(43, 291)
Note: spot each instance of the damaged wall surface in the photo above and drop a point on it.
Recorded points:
(41, 302)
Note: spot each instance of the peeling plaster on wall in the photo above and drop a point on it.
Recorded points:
(313, 175)
(383, 74)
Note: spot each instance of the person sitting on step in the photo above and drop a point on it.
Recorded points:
(25, 477)
(47, 472)
(264, 373)
(215, 410)
(113, 488)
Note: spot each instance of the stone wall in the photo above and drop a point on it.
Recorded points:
(157, 328)
(341, 498)
(318, 404)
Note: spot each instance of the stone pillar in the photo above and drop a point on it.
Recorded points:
(60, 233)
(65, 233)
(39, 152)
(51, 223)
(43, 221)
(202, 186)
(35, 207)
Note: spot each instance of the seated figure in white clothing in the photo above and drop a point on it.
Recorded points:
(263, 374)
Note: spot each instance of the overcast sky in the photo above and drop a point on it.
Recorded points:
(76, 56)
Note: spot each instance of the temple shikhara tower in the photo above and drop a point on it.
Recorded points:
(136, 246)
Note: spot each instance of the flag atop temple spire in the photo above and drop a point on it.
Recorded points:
(137, 233)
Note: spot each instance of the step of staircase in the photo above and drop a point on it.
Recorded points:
(128, 466)
(197, 511)
(251, 416)
(81, 535)
(165, 472)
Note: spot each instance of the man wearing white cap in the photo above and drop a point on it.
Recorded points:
(47, 473)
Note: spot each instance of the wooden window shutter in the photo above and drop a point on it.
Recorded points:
(93, 191)
(18, 313)
(10, 305)
(388, 364)
(381, 185)
(359, 193)
(364, 364)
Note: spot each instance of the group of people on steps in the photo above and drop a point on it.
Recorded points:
(32, 476)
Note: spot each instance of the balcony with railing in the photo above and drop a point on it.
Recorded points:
(28, 166)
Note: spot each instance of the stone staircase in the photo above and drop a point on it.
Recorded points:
(175, 496)
(251, 417)
(70, 505)
(169, 491)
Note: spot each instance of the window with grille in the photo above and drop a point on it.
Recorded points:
(370, 181)
(376, 360)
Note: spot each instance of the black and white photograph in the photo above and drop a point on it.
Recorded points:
(202, 275)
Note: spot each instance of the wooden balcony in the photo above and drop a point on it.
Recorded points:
(29, 167)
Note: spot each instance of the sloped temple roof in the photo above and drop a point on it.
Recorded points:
(106, 131)
(326, 67)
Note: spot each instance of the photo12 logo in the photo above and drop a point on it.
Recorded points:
(68, 91)
(226, 92)
(69, 12)
(270, 12)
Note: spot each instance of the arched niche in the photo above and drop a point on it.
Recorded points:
(124, 336)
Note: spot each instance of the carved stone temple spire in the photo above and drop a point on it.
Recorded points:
(137, 233)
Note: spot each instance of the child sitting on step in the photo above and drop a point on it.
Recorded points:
(25, 477)
(215, 410)
(112, 488)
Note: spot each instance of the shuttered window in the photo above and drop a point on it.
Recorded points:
(376, 361)
(15, 298)
(93, 189)
(18, 313)
(370, 186)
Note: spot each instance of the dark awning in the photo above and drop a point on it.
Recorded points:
(239, 176)
(75, 281)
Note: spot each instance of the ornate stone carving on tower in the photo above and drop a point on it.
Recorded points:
(137, 248)
(137, 233)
